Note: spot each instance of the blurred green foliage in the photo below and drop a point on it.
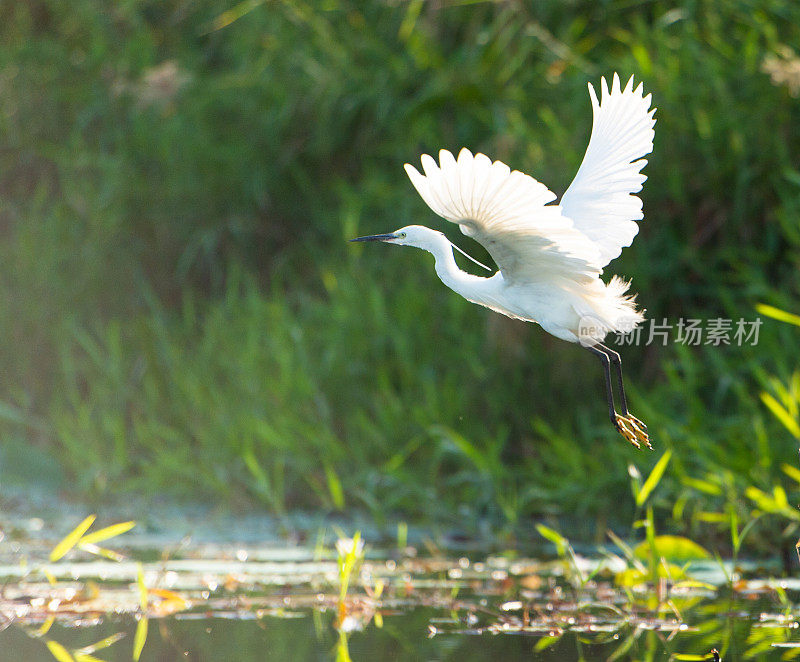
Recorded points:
(181, 313)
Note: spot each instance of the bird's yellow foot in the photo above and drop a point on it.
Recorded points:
(624, 428)
(633, 430)
(641, 431)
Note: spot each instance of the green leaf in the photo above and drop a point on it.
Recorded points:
(139, 639)
(693, 583)
(779, 494)
(716, 518)
(631, 577)
(776, 502)
(623, 648)
(469, 450)
(653, 479)
(546, 642)
(142, 588)
(778, 314)
(71, 539)
(45, 627)
(675, 549)
(554, 537)
(85, 657)
(781, 414)
(703, 486)
(59, 652)
(334, 487)
(792, 472)
(108, 532)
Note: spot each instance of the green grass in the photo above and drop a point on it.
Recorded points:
(182, 314)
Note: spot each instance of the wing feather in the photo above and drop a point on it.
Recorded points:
(509, 213)
(600, 200)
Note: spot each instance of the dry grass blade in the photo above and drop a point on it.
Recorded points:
(100, 551)
(103, 643)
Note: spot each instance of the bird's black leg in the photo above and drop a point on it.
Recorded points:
(616, 361)
(606, 363)
(627, 425)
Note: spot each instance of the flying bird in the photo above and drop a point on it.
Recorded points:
(550, 256)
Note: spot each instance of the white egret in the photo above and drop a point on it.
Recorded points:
(550, 256)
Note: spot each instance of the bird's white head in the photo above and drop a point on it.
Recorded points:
(411, 235)
(420, 237)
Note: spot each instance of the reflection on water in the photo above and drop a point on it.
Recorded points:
(404, 636)
(256, 605)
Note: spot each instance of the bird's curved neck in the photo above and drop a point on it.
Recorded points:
(465, 284)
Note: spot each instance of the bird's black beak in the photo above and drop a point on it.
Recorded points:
(377, 237)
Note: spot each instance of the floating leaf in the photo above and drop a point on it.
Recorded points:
(71, 539)
(675, 549)
(631, 577)
(100, 551)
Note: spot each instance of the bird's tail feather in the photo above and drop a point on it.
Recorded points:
(608, 309)
(621, 311)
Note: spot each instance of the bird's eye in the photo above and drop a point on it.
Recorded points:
(402, 235)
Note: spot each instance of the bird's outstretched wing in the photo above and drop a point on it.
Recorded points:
(507, 212)
(601, 201)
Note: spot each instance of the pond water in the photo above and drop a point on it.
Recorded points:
(235, 602)
(179, 586)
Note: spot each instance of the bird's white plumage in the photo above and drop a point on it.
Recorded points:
(550, 255)
(507, 212)
(600, 200)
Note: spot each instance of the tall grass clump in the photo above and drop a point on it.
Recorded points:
(181, 312)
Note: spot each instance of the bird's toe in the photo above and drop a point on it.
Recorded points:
(639, 430)
(639, 424)
(627, 430)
